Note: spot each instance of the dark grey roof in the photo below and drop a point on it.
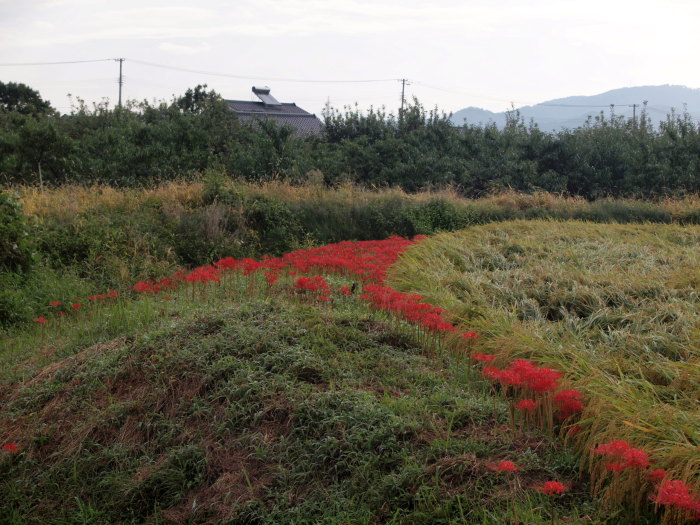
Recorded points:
(285, 113)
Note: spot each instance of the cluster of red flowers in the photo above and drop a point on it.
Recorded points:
(673, 493)
(623, 456)
(314, 284)
(526, 375)
(56, 305)
(677, 495)
(505, 466)
(553, 487)
(10, 447)
(407, 306)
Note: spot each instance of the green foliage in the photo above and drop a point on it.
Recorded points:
(16, 244)
(145, 142)
(22, 99)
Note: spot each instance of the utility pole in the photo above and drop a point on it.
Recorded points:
(634, 114)
(121, 79)
(403, 81)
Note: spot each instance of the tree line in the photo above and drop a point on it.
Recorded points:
(142, 143)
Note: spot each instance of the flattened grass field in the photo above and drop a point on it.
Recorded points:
(615, 307)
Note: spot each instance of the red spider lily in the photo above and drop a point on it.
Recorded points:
(523, 373)
(61, 314)
(76, 306)
(505, 466)
(657, 475)
(10, 447)
(312, 284)
(227, 263)
(40, 320)
(636, 458)
(490, 372)
(345, 290)
(527, 405)
(677, 494)
(569, 403)
(615, 467)
(614, 448)
(484, 358)
(323, 298)
(271, 277)
(552, 487)
(469, 335)
(143, 287)
(55, 303)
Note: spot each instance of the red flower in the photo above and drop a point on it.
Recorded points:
(40, 320)
(55, 303)
(636, 458)
(11, 447)
(569, 402)
(76, 306)
(345, 290)
(527, 405)
(469, 335)
(614, 448)
(553, 487)
(615, 467)
(657, 475)
(505, 466)
(677, 494)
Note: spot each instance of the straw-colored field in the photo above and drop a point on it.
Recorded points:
(615, 306)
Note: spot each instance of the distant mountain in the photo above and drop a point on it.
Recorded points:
(572, 112)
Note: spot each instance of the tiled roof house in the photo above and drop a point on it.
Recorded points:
(268, 107)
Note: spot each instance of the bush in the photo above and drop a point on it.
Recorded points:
(15, 239)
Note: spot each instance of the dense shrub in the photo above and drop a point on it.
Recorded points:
(144, 142)
(15, 239)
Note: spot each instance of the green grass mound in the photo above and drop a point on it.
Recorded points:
(616, 307)
(268, 412)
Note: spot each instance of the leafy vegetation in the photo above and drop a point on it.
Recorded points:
(143, 143)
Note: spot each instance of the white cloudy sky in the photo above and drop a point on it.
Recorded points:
(484, 53)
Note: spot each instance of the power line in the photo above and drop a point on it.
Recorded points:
(460, 92)
(244, 77)
(55, 63)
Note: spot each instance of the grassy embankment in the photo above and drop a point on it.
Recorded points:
(250, 404)
(98, 237)
(617, 307)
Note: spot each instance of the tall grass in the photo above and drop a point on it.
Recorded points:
(615, 307)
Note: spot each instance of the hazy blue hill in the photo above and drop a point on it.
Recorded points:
(571, 112)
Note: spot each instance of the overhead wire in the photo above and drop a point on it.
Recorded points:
(320, 81)
(245, 77)
(55, 63)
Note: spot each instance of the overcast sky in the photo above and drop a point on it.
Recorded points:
(484, 53)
